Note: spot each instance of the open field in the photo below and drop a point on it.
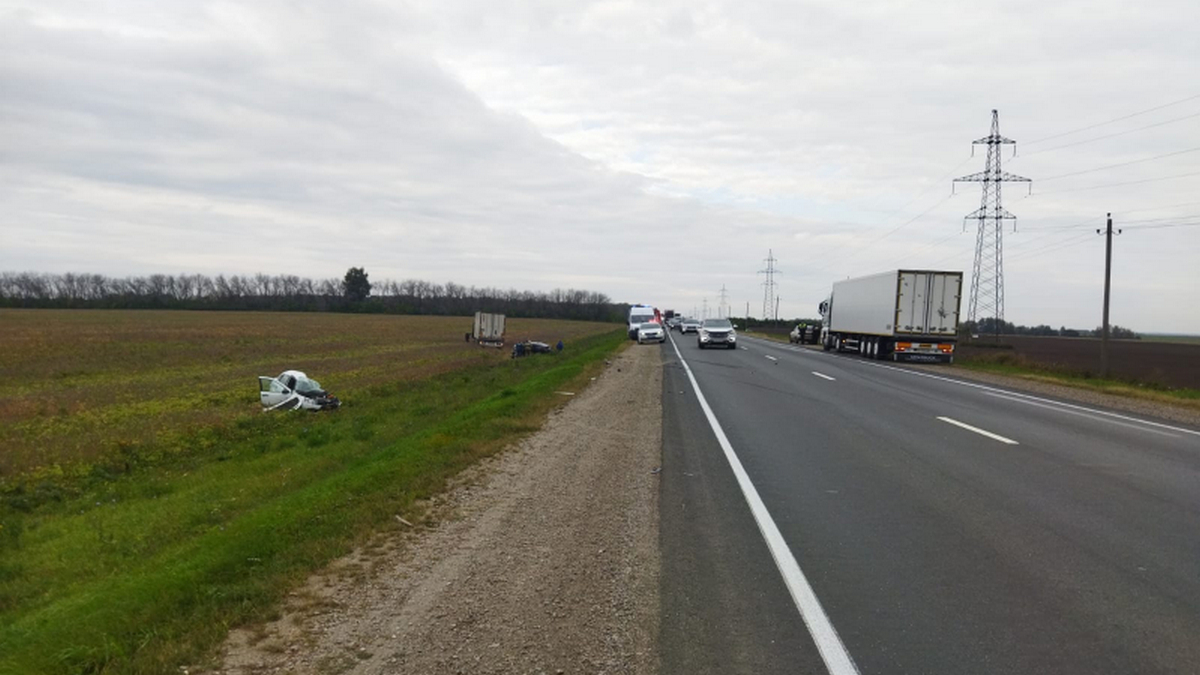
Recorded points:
(87, 386)
(151, 506)
(1162, 364)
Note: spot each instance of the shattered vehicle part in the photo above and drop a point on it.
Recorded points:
(293, 390)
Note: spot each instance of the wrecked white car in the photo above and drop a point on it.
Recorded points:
(293, 390)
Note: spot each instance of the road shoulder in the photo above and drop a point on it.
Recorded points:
(542, 559)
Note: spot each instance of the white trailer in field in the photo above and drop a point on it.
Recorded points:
(901, 315)
(489, 329)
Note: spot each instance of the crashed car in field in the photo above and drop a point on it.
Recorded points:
(293, 390)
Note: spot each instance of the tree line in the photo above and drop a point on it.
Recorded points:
(285, 292)
(990, 326)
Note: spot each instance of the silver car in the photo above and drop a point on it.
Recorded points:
(717, 333)
(689, 326)
(651, 332)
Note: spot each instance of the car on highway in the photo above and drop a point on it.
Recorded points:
(651, 332)
(717, 333)
(639, 314)
(689, 326)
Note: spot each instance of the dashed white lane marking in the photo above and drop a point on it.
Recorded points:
(770, 357)
(979, 431)
(1051, 402)
(1081, 414)
(829, 644)
(744, 349)
(823, 375)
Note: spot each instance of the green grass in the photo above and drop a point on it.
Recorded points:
(1014, 366)
(146, 571)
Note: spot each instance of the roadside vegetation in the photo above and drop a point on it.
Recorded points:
(149, 506)
(1014, 365)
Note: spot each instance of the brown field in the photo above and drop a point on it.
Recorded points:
(81, 384)
(1169, 364)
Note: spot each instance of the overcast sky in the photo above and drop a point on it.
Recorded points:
(654, 151)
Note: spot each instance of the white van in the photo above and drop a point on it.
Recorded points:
(638, 315)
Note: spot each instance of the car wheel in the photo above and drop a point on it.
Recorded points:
(732, 347)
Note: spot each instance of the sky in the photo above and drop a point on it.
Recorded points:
(653, 151)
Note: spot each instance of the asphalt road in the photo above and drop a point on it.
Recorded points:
(934, 526)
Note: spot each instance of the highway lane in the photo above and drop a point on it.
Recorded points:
(931, 546)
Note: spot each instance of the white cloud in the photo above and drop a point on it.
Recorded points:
(653, 151)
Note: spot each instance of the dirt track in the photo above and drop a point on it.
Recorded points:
(544, 559)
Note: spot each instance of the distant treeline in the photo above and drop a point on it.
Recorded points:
(990, 326)
(299, 294)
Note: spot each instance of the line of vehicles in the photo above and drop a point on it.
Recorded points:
(648, 324)
(899, 315)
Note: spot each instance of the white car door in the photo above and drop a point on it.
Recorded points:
(274, 394)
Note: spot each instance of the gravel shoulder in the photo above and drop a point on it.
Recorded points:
(543, 559)
(1136, 406)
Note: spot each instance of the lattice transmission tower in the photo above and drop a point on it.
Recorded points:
(723, 305)
(769, 284)
(987, 279)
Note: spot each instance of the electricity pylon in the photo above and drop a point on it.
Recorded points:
(769, 284)
(987, 279)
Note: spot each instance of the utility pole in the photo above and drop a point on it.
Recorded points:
(1108, 235)
(705, 314)
(987, 279)
(777, 308)
(722, 307)
(769, 284)
(747, 310)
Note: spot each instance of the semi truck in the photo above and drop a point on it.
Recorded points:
(900, 315)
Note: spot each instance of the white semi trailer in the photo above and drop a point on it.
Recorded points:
(489, 329)
(901, 315)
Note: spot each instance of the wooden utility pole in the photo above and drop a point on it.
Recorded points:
(1108, 235)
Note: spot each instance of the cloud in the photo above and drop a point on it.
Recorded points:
(653, 151)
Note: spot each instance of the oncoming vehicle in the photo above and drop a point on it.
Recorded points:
(717, 333)
(293, 390)
(689, 326)
(638, 315)
(651, 332)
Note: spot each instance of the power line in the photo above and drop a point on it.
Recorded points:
(1158, 220)
(897, 210)
(1157, 208)
(1158, 227)
(1119, 133)
(1113, 166)
(1132, 182)
(1075, 240)
(1119, 119)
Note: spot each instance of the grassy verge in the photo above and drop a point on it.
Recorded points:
(1013, 366)
(146, 573)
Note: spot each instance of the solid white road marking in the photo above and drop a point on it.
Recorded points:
(829, 644)
(1032, 398)
(831, 379)
(770, 357)
(1081, 414)
(977, 430)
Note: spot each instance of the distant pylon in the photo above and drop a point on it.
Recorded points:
(723, 306)
(769, 284)
(987, 279)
